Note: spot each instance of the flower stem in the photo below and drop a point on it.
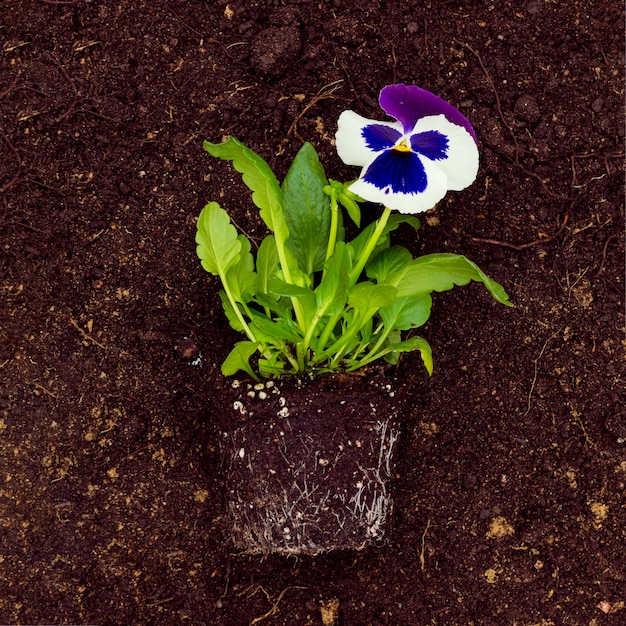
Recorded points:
(369, 247)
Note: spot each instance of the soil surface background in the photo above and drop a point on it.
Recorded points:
(510, 499)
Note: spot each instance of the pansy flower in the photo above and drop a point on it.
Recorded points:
(410, 164)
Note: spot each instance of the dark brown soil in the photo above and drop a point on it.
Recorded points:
(510, 501)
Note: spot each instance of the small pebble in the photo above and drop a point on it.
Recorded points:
(187, 350)
(527, 108)
(535, 6)
(329, 611)
(369, 101)
(469, 481)
(275, 49)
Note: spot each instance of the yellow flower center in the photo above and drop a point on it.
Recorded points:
(403, 146)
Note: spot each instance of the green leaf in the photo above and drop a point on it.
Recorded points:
(259, 178)
(219, 248)
(307, 209)
(281, 307)
(229, 309)
(441, 272)
(391, 352)
(332, 292)
(365, 332)
(282, 288)
(239, 359)
(272, 331)
(394, 348)
(267, 195)
(416, 343)
(299, 295)
(266, 264)
(401, 218)
(367, 296)
(388, 262)
(395, 336)
(218, 245)
(407, 312)
(241, 276)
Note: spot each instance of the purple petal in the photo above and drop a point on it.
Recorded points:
(409, 103)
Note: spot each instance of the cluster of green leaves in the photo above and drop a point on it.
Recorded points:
(307, 300)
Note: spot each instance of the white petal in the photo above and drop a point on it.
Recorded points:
(351, 146)
(461, 166)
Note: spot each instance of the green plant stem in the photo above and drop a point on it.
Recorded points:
(300, 352)
(309, 334)
(369, 247)
(352, 328)
(321, 354)
(344, 339)
(334, 224)
(295, 364)
(381, 340)
(365, 361)
(235, 306)
(343, 343)
(297, 306)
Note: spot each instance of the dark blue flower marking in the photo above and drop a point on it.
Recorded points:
(432, 144)
(399, 168)
(378, 137)
(397, 172)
